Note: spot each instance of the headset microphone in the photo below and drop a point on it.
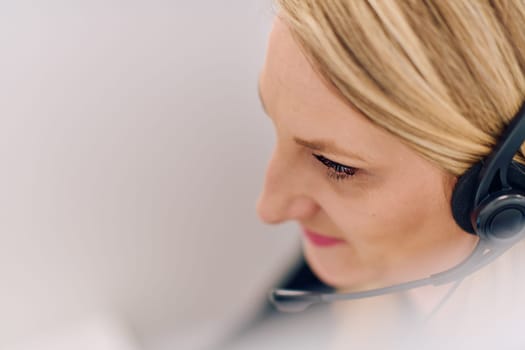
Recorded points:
(488, 201)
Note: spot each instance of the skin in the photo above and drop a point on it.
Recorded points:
(394, 214)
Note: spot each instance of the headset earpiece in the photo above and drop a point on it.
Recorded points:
(489, 199)
(501, 217)
(491, 220)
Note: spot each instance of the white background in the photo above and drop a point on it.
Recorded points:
(132, 149)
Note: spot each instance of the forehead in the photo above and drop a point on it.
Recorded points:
(300, 102)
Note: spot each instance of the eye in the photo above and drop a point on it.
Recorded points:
(336, 171)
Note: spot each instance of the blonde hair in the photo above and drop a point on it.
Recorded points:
(444, 76)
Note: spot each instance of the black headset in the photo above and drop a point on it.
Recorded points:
(488, 201)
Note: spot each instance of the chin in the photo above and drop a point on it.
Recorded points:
(333, 267)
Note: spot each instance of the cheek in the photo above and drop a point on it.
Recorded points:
(406, 207)
(389, 213)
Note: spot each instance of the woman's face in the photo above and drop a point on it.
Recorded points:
(343, 178)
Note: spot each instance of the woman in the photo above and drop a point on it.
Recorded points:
(379, 107)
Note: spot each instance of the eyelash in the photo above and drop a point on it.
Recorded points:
(336, 171)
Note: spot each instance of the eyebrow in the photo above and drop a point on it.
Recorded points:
(328, 147)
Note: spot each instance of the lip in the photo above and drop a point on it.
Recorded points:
(321, 240)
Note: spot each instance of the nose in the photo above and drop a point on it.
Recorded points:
(286, 193)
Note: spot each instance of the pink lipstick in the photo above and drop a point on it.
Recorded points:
(321, 240)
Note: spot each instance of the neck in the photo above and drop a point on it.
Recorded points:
(426, 299)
